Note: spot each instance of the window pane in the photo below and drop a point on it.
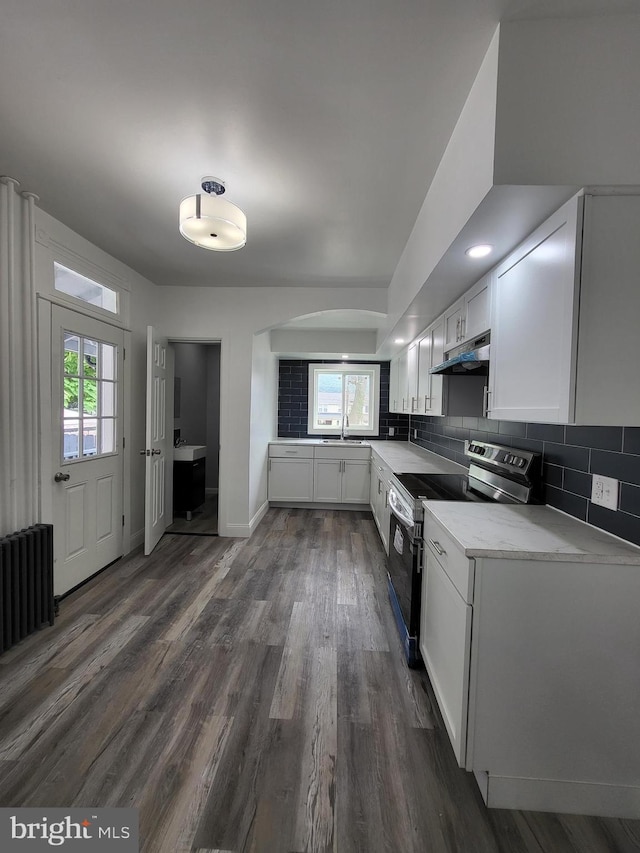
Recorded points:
(89, 396)
(89, 437)
(76, 285)
(358, 392)
(107, 361)
(71, 439)
(71, 397)
(107, 399)
(89, 357)
(71, 350)
(328, 400)
(107, 435)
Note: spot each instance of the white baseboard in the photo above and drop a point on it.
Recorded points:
(136, 540)
(259, 515)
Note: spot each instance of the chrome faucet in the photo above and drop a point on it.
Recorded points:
(345, 419)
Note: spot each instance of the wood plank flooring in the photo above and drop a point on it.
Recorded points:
(251, 695)
(204, 520)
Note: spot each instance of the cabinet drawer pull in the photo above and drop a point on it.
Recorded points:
(437, 547)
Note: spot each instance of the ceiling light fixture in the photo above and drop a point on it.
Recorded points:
(345, 355)
(479, 251)
(211, 222)
(399, 341)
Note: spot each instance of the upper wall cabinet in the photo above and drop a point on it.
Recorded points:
(565, 315)
(470, 316)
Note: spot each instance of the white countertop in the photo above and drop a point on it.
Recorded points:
(528, 533)
(401, 457)
(405, 458)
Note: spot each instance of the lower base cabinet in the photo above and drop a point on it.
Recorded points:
(341, 481)
(290, 473)
(534, 667)
(188, 485)
(323, 474)
(379, 498)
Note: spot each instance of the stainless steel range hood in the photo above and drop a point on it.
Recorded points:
(471, 358)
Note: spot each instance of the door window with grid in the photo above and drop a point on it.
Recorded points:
(89, 398)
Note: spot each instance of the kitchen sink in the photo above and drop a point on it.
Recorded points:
(342, 441)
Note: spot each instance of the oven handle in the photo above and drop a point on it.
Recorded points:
(397, 509)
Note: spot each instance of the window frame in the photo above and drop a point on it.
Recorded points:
(370, 369)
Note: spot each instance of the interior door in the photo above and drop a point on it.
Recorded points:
(86, 384)
(155, 510)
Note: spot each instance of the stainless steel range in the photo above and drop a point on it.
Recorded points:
(496, 474)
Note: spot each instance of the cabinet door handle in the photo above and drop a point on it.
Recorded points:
(437, 547)
(269, 466)
(485, 401)
(457, 329)
(379, 485)
(386, 499)
(462, 325)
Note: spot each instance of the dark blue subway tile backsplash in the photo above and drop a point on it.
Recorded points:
(570, 454)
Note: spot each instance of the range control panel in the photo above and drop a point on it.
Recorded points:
(498, 456)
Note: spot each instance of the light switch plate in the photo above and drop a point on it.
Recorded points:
(604, 491)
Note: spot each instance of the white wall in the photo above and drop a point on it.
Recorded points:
(463, 179)
(233, 316)
(264, 419)
(191, 369)
(568, 109)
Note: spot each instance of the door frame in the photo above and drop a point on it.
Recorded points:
(45, 453)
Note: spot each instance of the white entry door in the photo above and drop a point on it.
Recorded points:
(155, 512)
(86, 384)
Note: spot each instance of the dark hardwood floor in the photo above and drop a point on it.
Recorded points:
(203, 521)
(251, 695)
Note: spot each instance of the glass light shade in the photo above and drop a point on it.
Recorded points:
(212, 223)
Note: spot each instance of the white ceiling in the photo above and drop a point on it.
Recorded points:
(326, 119)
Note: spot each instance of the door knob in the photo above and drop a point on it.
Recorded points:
(156, 451)
(61, 478)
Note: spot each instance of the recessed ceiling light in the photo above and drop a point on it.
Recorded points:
(399, 341)
(479, 251)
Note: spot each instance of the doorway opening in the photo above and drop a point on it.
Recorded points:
(194, 425)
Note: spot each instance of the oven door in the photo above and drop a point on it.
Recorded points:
(403, 568)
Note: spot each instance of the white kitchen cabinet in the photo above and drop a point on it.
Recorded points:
(476, 316)
(412, 378)
(565, 318)
(399, 383)
(395, 397)
(533, 333)
(290, 473)
(532, 662)
(431, 352)
(403, 382)
(453, 320)
(341, 474)
(470, 316)
(445, 632)
(379, 498)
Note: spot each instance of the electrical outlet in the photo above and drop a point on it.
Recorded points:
(392, 431)
(415, 433)
(604, 491)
